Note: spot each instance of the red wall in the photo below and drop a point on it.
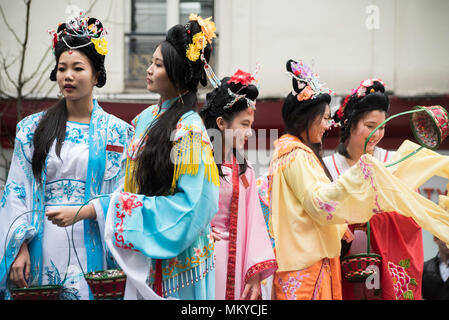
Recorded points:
(268, 116)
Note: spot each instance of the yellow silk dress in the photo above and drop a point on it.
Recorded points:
(310, 214)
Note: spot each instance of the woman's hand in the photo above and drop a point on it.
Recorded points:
(252, 288)
(216, 234)
(20, 268)
(64, 216)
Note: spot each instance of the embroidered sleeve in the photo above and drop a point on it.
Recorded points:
(352, 198)
(17, 222)
(268, 266)
(164, 226)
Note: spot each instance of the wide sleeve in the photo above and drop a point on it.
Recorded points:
(119, 138)
(259, 256)
(349, 199)
(162, 227)
(420, 167)
(366, 188)
(17, 222)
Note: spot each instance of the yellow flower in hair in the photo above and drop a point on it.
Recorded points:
(192, 52)
(101, 45)
(199, 41)
(207, 26)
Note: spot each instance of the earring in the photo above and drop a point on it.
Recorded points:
(180, 98)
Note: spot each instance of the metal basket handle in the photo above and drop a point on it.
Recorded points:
(6, 243)
(73, 223)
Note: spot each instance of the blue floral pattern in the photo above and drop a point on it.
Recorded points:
(67, 192)
(75, 134)
(19, 190)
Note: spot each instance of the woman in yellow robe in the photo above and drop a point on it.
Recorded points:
(309, 214)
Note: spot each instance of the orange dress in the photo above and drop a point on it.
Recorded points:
(320, 281)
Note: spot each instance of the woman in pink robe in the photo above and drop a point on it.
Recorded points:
(243, 251)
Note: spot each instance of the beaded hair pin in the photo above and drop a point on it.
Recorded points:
(79, 26)
(308, 82)
(360, 91)
(245, 79)
(195, 50)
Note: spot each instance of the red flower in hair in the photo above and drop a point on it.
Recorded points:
(242, 77)
(343, 106)
(55, 39)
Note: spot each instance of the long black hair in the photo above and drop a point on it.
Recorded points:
(216, 100)
(54, 121)
(298, 115)
(154, 170)
(355, 109)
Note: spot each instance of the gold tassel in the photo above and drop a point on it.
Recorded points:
(130, 183)
(187, 154)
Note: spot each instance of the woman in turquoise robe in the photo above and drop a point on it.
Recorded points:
(158, 225)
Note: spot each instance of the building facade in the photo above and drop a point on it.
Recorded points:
(403, 42)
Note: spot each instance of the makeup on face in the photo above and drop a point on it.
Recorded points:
(157, 77)
(319, 126)
(239, 129)
(75, 75)
(364, 127)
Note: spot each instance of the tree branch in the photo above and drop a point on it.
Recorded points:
(25, 42)
(7, 73)
(39, 83)
(8, 26)
(32, 75)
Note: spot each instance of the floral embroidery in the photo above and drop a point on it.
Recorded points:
(368, 174)
(260, 267)
(199, 256)
(54, 278)
(155, 112)
(76, 135)
(19, 190)
(293, 283)
(5, 195)
(329, 207)
(198, 252)
(65, 191)
(126, 204)
(401, 280)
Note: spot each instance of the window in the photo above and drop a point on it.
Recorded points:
(149, 23)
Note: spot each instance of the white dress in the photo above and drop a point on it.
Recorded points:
(65, 185)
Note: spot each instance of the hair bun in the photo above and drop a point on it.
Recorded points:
(178, 38)
(297, 84)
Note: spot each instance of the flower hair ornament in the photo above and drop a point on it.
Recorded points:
(245, 79)
(308, 82)
(360, 91)
(83, 27)
(195, 50)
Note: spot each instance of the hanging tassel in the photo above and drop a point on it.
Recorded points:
(187, 154)
(130, 183)
(214, 81)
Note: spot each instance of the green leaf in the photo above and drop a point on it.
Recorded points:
(413, 282)
(408, 295)
(405, 263)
